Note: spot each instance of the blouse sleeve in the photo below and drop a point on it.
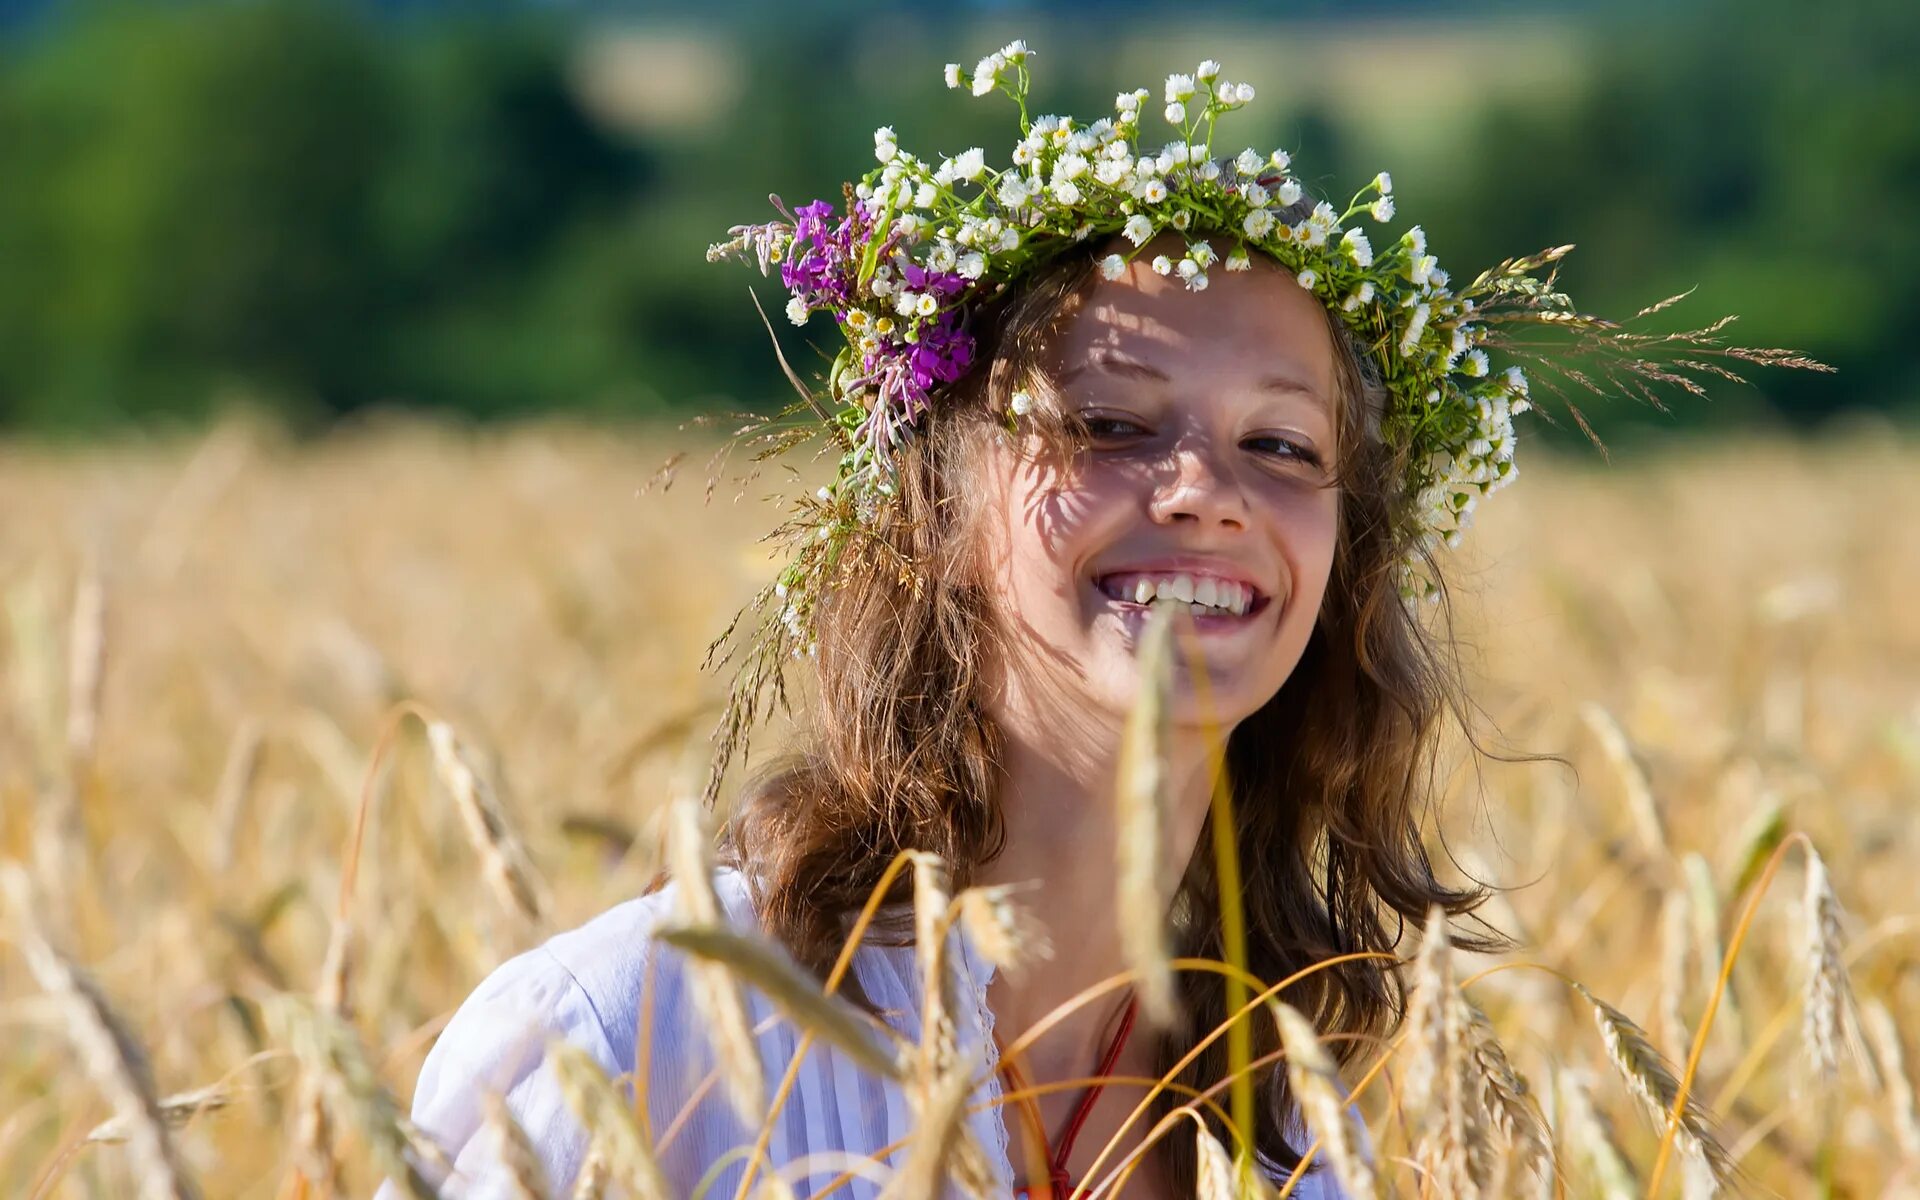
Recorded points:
(496, 1042)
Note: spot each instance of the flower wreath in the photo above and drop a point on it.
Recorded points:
(918, 245)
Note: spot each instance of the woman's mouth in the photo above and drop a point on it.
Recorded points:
(1215, 602)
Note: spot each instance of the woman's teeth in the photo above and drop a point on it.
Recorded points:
(1206, 594)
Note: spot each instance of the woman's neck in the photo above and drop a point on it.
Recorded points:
(1057, 802)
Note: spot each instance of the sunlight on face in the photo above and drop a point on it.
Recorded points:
(1213, 426)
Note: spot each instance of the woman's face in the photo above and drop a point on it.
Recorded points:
(1212, 426)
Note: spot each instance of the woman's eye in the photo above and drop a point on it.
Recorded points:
(1109, 428)
(1273, 444)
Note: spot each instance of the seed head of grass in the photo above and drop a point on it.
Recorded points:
(608, 1120)
(1827, 1017)
(1651, 1079)
(1006, 934)
(505, 863)
(716, 990)
(1317, 1088)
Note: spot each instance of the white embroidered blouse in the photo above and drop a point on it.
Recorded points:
(585, 986)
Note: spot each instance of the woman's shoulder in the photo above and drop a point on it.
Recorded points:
(582, 986)
(606, 960)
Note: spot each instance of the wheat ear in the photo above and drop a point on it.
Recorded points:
(1827, 1011)
(790, 988)
(604, 1114)
(332, 1056)
(505, 863)
(1651, 1079)
(520, 1166)
(108, 1051)
(1317, 1089)
(1006, 934)
(716, 991)
(1885, 1038)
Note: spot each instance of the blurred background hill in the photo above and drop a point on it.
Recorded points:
(502, 209)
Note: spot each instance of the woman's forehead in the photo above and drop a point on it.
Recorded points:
(1260, 328)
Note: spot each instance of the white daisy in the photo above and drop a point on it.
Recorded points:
(1154, 191)
(970, 163)
(1307, 278)
(797, 311)
(1289, 194)
(1138, 229)
(1179, 87)
(1249, 162)
(1162, 265)
(1176, 113)
(1067, 193)
(1113, 266)
(1021, 403)
(972, 264)
(1238, 260)
(953, 75)
(1258, 223)
(1356, 246)
(986, 75)
(1208, 70)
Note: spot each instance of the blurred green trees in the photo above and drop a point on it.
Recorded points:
(334, 209)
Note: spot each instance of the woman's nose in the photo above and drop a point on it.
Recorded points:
(1197, 488)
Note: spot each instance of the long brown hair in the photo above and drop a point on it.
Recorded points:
(1329, 778)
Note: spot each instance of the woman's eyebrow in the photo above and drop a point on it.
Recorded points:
(1113, 363)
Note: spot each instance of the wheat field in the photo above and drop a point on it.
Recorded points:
(208, 642)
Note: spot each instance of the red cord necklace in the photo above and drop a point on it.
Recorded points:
(1059, 1184)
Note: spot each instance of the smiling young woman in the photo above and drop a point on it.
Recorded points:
(1217, 446)
(1203, 443)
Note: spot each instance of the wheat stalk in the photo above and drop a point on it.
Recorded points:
(109, 1053)
(1142, 804)
(237, 777)
(716, 991)
(86, 666)
(604, 1114)
(939, 1122)
(1317, 1088)
(520, 1165)
(505, 863)
(939, 1043)
(793, 991)
(1651, 1079)
(1675, 934)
